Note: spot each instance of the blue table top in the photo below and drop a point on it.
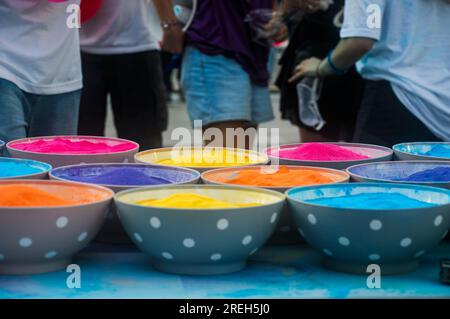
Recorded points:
(274, 272)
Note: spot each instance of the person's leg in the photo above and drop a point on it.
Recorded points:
(93, 95)
(384, 120)
(138, 98)
(54, 114)
(14, 109)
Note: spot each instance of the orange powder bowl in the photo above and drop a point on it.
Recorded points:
(44, 223)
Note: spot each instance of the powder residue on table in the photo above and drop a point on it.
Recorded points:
(439, 151)
(283, 177)
(192, 201)
(125, 176)
(437, 174)
(12, 169)
(319, 152)
(371, 201)
(61, 145)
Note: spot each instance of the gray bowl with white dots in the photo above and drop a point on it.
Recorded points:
(40, 238)
(194, 241)
(356, 225)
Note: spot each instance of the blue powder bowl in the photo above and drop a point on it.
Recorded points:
(431, 173)
(14, 168)
(392, 227)
(422, 151)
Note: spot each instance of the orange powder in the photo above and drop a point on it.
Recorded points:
(284, 177)
(29, 196)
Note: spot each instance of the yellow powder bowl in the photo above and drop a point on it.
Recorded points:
(199, 241)
(201, 158)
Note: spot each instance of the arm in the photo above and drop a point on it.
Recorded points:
(173, 36)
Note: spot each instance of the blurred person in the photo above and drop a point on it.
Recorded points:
(121, 58)
(40, 69)
(225, 70)
(404, 56)
(314, 31)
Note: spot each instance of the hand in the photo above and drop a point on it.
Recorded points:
(277, 29)
(306, 68)
(173, 39)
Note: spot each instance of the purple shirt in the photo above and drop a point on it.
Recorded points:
(219, 28)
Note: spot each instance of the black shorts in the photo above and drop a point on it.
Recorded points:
(384, 120)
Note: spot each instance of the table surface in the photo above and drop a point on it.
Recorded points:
(273, 272)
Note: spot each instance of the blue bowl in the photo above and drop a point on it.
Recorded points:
(411, 172)
(422, 151)
(351, 237)
(39, 170)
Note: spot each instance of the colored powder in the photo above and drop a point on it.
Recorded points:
(115, 176)
(209, 158)
(13, 169)
(28, 196)
(193, 201)
(73, 146)
(284, 177)
(371, 201)
(319, 152)
(439, 151)
(438, 174)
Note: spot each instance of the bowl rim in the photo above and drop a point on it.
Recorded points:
(10, 147)
(281, 197)
(47, 166)
(289, 194)
(389, 152)
(435, 158)
(225, 169)
(195, 174)
(54, 182)
(2, 143)
(444, 163)
(165, 149)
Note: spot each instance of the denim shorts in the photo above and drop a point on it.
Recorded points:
(218, 89)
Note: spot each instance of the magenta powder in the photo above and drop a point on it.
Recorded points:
(319, 152)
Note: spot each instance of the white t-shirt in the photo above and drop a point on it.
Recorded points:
(412, 53)
(121, 26)
(38, 51)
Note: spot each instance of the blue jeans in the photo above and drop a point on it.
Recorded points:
(24, 114)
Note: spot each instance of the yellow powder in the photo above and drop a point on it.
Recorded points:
(210, 158)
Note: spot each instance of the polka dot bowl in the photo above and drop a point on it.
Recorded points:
(352, 238)
(374, 152)
(16, 150)
(200, 241)
(422, 151)
(162, 155)
(402, 172)
(26, 169)
(119, 177)
(44, 239)
(286, 232)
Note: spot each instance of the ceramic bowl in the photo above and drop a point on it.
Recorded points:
(65, 159)
(398, 172)
(374, 152)
(200, 241)
(44, 239)
(418, 151)
(2, 145)
(286, 232)
(40, 169)
(112, 231)
(158, 156)
(350, 239)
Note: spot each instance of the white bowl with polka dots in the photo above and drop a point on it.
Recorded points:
(352, 238)
(44, 239)
(200, 241)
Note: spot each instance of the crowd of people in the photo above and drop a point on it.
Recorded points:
(368, 71)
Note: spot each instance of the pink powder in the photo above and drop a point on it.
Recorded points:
(75, 145)
(319, 152)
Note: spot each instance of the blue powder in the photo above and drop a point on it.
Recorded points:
(439, 151)
(438, 174)
(15, 169)
(371, 201)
